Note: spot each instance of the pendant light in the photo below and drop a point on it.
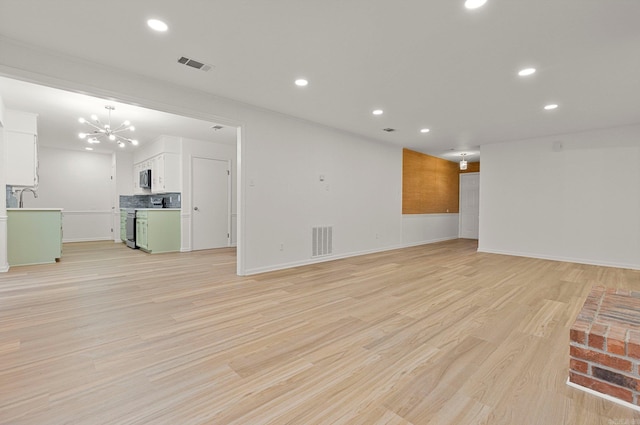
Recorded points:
(463, 161)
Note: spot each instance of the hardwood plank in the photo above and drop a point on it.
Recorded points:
(436, 334)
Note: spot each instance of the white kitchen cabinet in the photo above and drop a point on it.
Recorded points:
(21, 148)
(136, 179)
(157, 173)
(21, 157)
(165, 173)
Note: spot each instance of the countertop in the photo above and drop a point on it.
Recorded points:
(35, 209)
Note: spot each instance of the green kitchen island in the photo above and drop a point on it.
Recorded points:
(34, 235)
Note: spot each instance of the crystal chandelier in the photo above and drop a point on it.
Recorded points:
(100, 131)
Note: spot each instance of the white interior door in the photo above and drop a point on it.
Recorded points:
(210, 207)
(469, 205)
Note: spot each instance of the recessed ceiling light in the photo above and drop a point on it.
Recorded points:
(88, 149)
(378, 112)
(550, 106)
(474, 4)
(157, 25)
(526, 72)
(301, 82)
(424, 130)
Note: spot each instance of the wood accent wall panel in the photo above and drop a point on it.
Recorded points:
(430, 185)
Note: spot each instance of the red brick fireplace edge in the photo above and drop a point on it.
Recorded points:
(604, 345)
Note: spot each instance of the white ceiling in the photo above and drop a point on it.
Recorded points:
(428, 63)
(58, 112)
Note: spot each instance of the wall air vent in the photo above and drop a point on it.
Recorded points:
(194, 64)
(321, 241)
(389, 130)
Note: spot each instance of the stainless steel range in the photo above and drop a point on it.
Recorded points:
(131, 228)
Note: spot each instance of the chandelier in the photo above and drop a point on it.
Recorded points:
(101, 131)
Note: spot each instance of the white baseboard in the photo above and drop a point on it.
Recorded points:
(560, 258)
(183, 249)
(604, 396)
(317, 260)
(106, 238)
(430, 241)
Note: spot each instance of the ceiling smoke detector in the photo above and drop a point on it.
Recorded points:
(194, 63)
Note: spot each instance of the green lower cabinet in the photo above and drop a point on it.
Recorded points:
(158, 230)
(142, 241)
(34, 236)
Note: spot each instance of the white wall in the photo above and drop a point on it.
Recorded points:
(419, 229)
(4, 262)
(284, 198)
(2, 112)
(579, 203)
(280, 158)
(80, 182)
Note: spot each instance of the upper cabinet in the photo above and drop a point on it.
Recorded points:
(21, 148)
(165, 173)
(163, 157)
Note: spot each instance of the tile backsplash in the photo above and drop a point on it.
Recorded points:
(12, 201)
(170, 200)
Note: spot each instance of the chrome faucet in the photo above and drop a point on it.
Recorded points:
(35, 195)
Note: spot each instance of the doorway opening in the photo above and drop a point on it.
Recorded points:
(59, 105)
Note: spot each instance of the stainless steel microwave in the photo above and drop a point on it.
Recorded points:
(145, 179)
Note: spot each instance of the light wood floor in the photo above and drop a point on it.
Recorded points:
(436, 334)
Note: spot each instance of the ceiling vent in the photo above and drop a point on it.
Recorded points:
(389, 130)
(194, 64)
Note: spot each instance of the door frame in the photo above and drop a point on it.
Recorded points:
(229, 196)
